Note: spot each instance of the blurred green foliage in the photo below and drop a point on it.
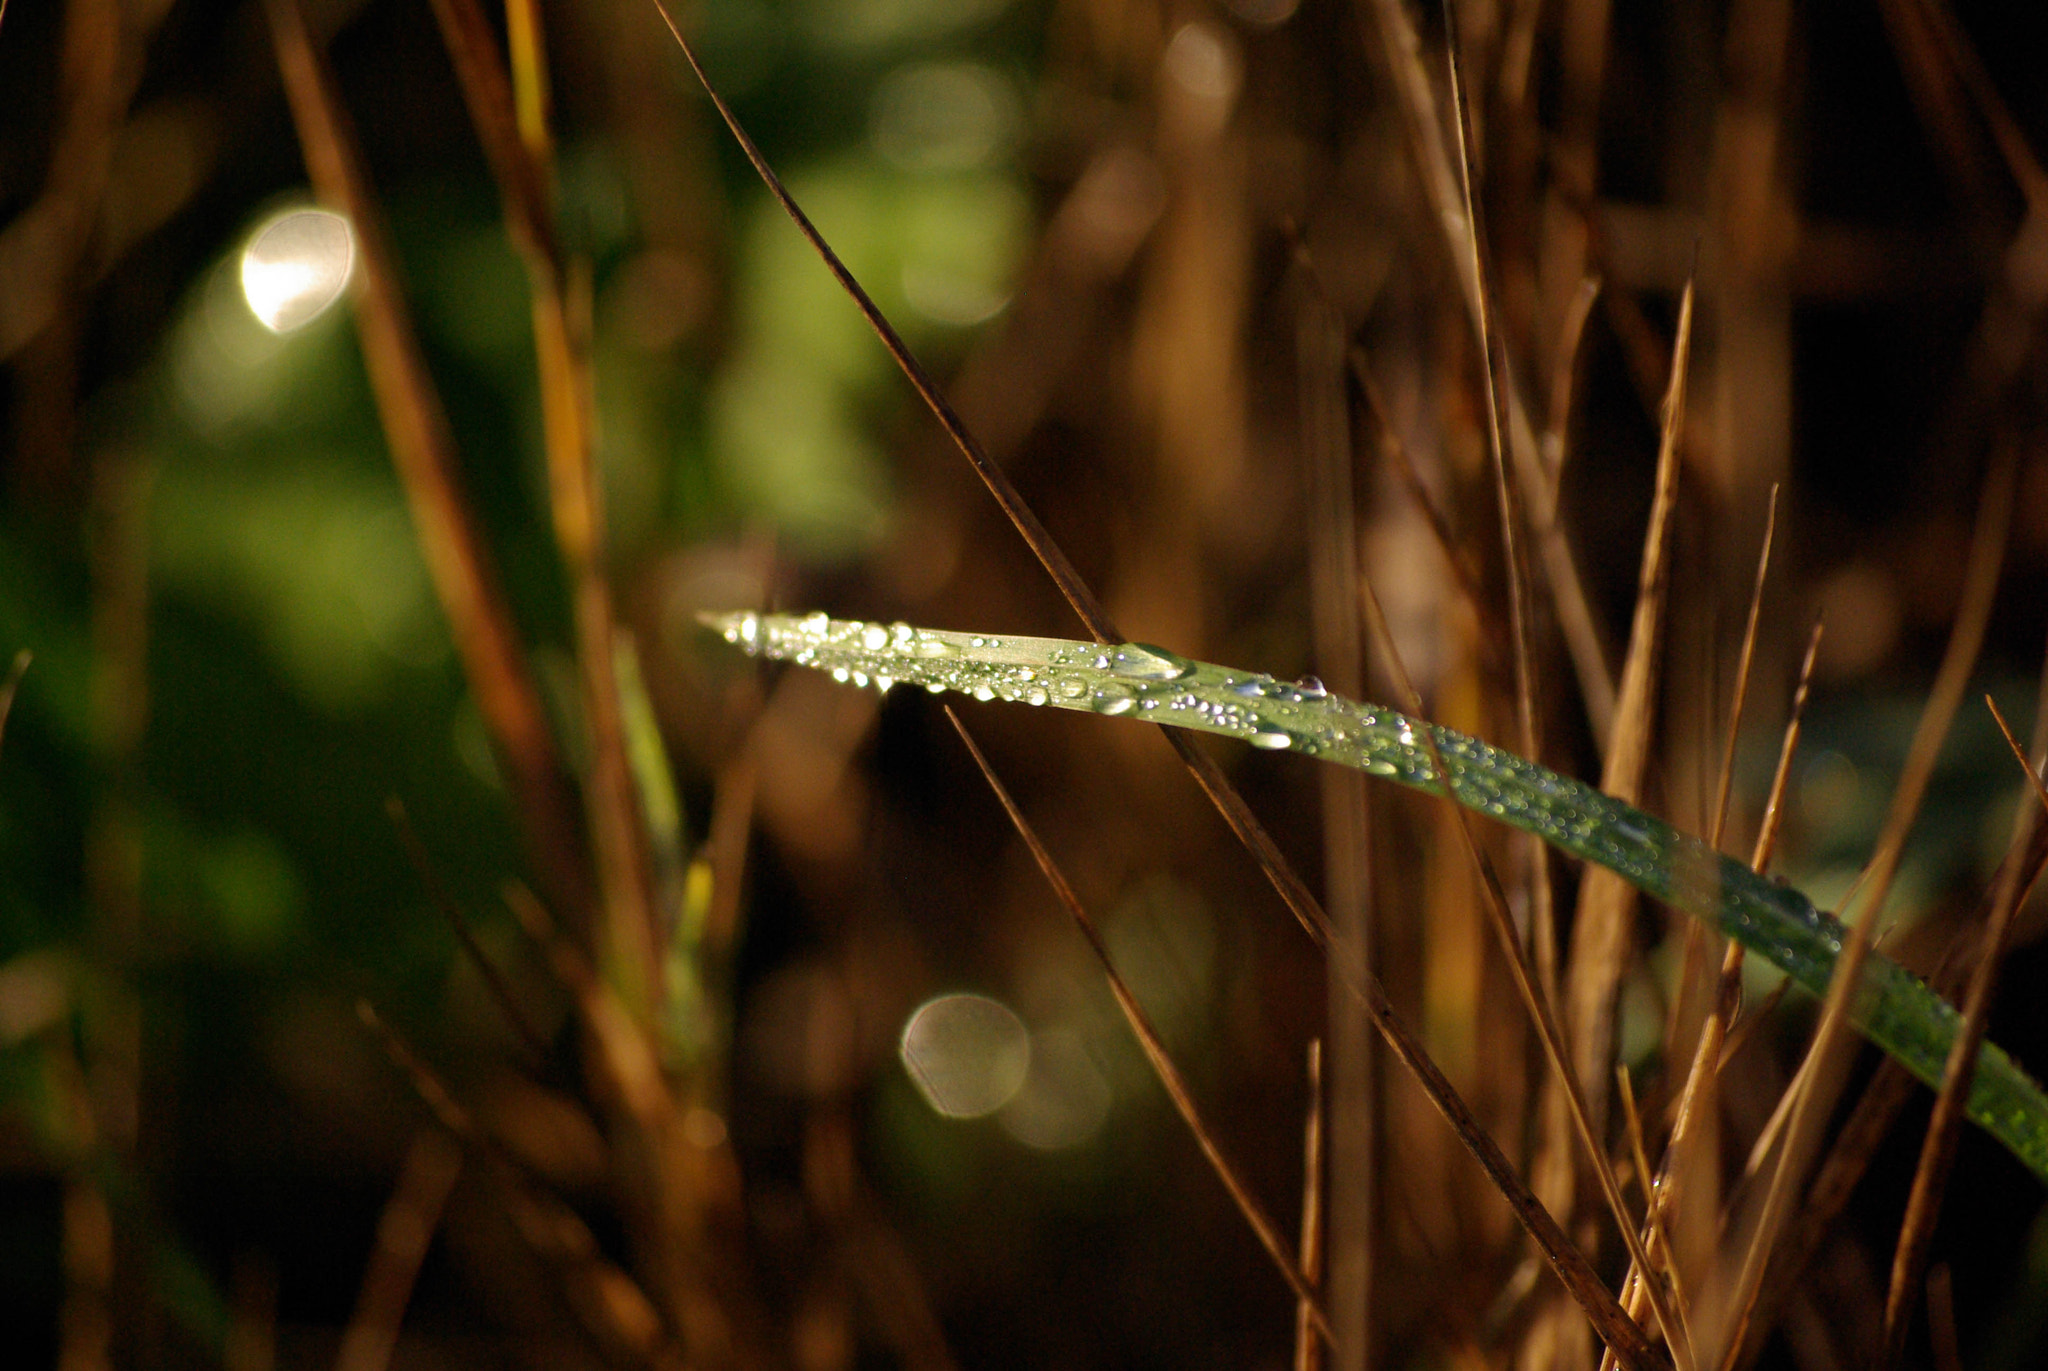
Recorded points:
(290, 663)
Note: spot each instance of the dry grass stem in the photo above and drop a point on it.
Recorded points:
(620, 1316)
(404, 1232)
(11, 686)
(1811, 1105)
(1155, 1050)
(423, 450)
(510, 115)
(1542, 1012)
(1333, 543)
(1308, 1348)
(501, 992)
(1944, 1127)
(1600, 952)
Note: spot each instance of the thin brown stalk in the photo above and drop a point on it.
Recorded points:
(1696, 938)
(493, 113)
(46, 251)
(1941, 1320)
(1938, 95)
(1541, 1012)
(1944, 1127)
(1555, 1176)
(1394, 451)
(404, 1232)
(1973, 612)
(1696, 1100)
(437, 891)
(423, 451)
(1767, 1147)
(880, 1266)
(1415, 97)
(525, 37)
(1563, 1256)
(1871, 1120)
(1162, 1065)
(627, 1067)
(1743, 662)
(12, 686)
(1395, 36)
(1049, 554)
(1781, 775)
(1308, 1349)
(1504, 495)
(1968, 69)
(1632, 1130)
(1346, 809)
(510, 113)
(615, 1311)
(1656, 1236)
(1562, 379)
(725, 845)
(1601, 926)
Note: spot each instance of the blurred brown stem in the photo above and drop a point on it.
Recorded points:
(423, 450)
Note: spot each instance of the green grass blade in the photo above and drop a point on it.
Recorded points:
(1894, 1008)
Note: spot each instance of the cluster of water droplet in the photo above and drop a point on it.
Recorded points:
(1152, 683)
(1131, 678)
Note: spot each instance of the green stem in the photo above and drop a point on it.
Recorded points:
(1893, 1008)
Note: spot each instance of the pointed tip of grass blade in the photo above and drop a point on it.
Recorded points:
(727, 622)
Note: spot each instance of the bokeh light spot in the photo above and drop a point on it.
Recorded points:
(968, 1054)
(1065, 1099)
(295, 266)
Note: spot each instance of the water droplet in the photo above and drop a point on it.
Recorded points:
(1143, 662)
(882, 684)
(902, 633)
(1313, 689)
(841, 674)
(1273, 740)
(934, 647)
(1069, 688)
(817, 623)
(1633, 832)
(1378, 767)
(860, 678)
(1250, 688)
(1111, 702)
(983, 693)
(874, 637)
(935, 687)
(1035, 696)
